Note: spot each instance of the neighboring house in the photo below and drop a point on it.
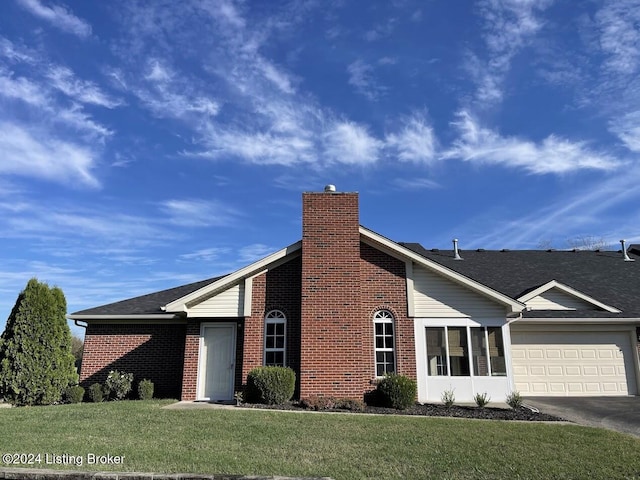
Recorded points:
(345, 305)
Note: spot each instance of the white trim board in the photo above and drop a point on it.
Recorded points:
(569, 291)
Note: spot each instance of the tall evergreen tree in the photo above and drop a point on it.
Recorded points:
(36, 363)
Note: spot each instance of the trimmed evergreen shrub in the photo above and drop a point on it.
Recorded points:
(448, 398)
(481, 399)
(74, 394)
(145, 389)
(397, 391)
(36, 363)
(96, 392)
(270, 385)
(514, 400)
(118, 385)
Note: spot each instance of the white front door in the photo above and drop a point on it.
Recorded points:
(217, 362)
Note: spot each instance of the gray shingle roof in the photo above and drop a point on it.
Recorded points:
(147, 304)
(604, 275)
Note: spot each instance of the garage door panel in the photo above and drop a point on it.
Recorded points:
(580, 363)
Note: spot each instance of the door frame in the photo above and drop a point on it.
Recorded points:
(202, 361)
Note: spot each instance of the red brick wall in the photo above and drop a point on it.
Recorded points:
(148, 351)
(334, 343)
(384, 287)
(277, 289)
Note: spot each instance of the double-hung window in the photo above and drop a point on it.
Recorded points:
(384, 342)
(275, 338)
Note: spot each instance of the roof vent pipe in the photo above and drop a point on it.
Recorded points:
(625, 255)
(456, 253)
(330, 189)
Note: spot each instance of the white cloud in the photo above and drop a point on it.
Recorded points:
(253, 252)
(350, 143)
(509, 25)
(627, 128)
(37, 154)
(158, 72)
(59, 16)
(199, 213)
(15, 54)
(415, 184)
(415, 142)
(206, 254)
(83, 91)
(553, 155)
(361, 77)
(617, 23)
(22, 89)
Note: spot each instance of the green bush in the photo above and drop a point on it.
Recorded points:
(96, 393)
(74, 394)
(145, 389)
(118, 385)
(36, 364)
(514, 400)
(397, 391)
(481, 399)
(270, 385)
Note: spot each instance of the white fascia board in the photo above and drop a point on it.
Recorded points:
(568, 290)
(376, 240)
(180, 305)
(575, 321)
(155, 316)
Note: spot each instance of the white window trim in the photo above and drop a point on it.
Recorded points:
(387, 319)
(271, 318)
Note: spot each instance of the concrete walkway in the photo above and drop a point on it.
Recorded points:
(621, 414)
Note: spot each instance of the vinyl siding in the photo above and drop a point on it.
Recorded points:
(228, 303)
(555, 299)
(437, 297)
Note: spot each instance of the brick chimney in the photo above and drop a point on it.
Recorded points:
(332, 324)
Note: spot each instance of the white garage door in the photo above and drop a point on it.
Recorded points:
(573, 363)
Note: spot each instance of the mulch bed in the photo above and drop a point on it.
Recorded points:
(433, 410)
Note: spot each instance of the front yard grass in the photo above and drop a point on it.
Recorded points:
(340, 446)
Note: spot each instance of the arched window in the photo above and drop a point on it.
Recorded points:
(384, 342)
(275, 338)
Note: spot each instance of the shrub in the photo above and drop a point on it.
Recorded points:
(316, 402)
(96, 393)
(36, 364)
(514, 400)
(74, 394)
(448, 398)
(118, 385)
(481, 399)
(350, 404)
(397, 391)
(270, 385)
(145, 389)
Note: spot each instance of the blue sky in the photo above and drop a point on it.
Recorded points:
(144, 145)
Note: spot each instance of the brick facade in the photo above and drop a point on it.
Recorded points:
(155, 352)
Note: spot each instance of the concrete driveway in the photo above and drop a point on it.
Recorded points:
(621, 414)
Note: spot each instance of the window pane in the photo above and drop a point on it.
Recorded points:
(271, 328)
(279, 342)
(269, 343)
(379, 328)
(436, 351)
(279, 328)
(379, 342)
(496, 351)
(479, 351)
(458, 351)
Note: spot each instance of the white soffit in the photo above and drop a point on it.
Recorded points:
(569, 291)
(180, 305)
(376, 240)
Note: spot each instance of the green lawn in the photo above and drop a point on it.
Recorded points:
(340, 446)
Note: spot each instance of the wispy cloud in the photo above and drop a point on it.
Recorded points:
(253, 252)
(553, 155)
(508, 27)
(627, 128)
(415, 184)
(415, 142)
(37, 154)
(59, 16)
(351, 143)
(361, 77)
(199, 213)
(63, 79)
(619, 35)
(206, 254)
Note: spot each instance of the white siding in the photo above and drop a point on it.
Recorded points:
(435, 296)
(228, 303)
(555, 299)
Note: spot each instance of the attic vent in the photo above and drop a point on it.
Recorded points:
(330, 189)
(625, 255)
(456, 253)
